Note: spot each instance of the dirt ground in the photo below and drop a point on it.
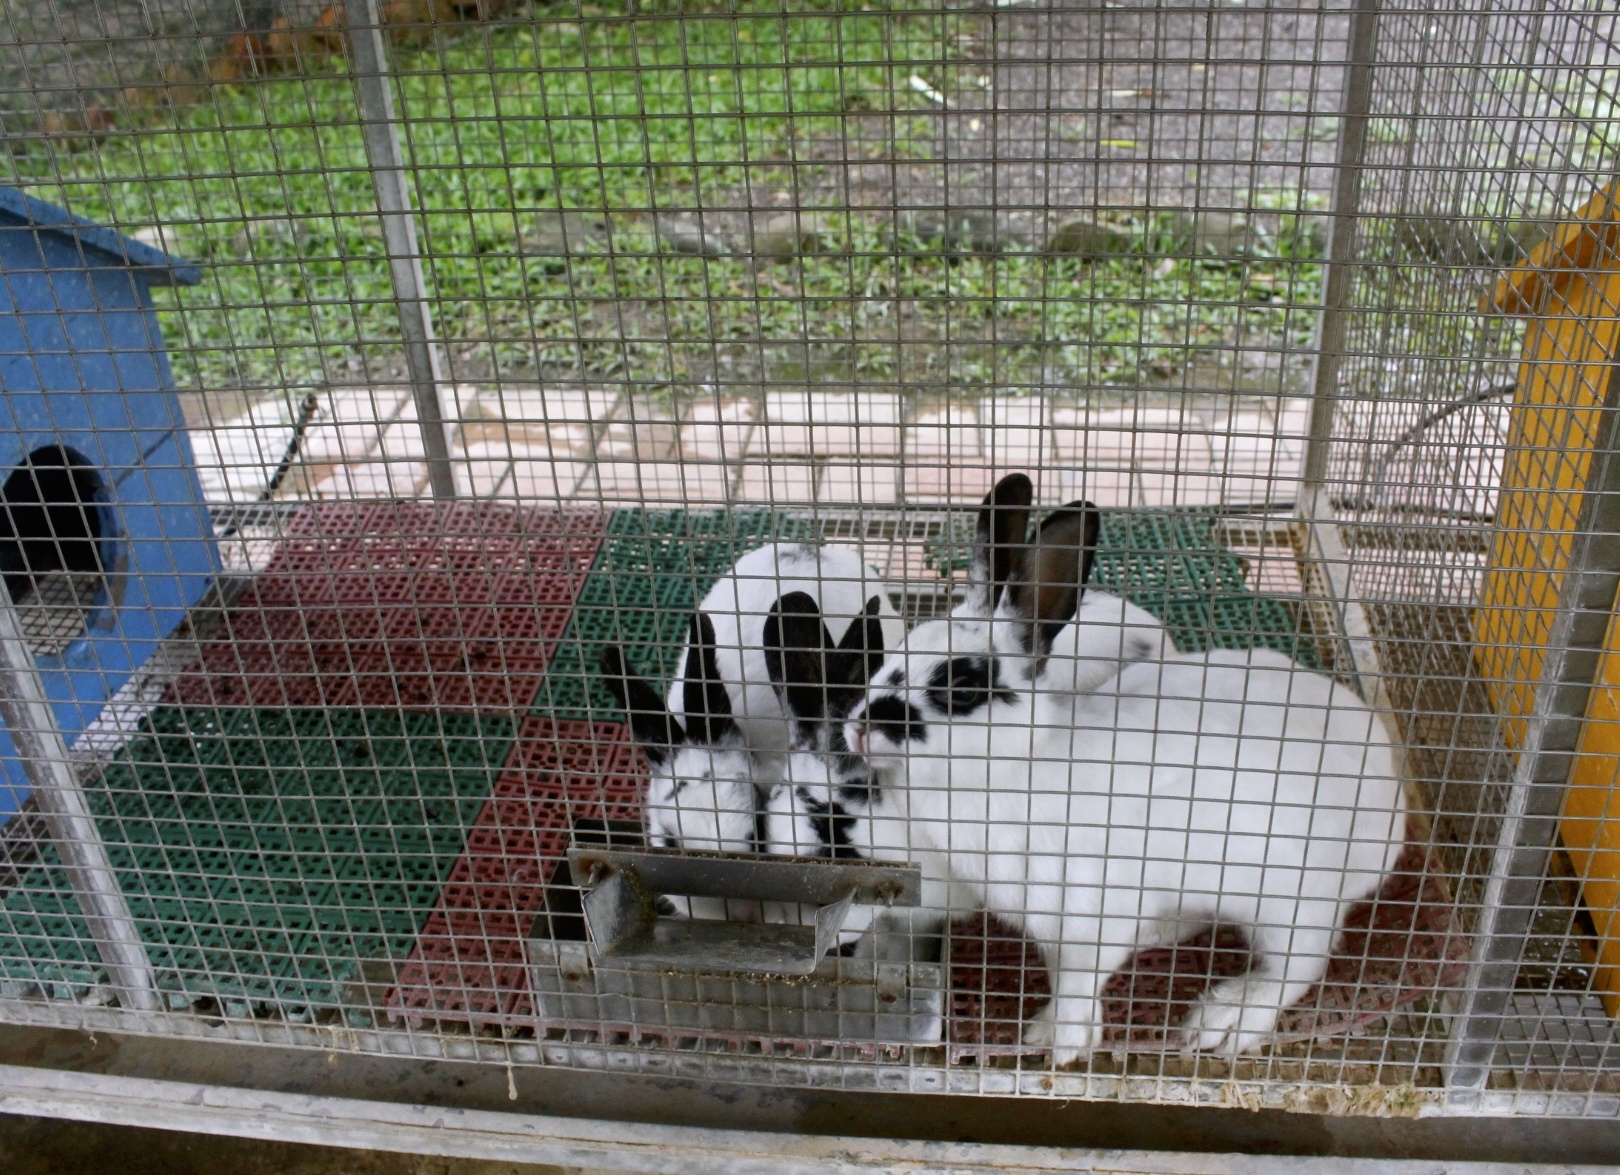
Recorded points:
(1216, 95)
(45, 1146)
(56, 55)
(1095, 105)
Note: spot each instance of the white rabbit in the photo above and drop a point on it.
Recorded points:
(844, 588)
(1106, 632)
(705, 790)
(717, 746)
(1235, 788)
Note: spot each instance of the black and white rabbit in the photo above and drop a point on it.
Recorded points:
(705, 789)
(1107, 631)
(817, 680)
(1232, 788)
(716, 747)
(826, 793)
(845, 588)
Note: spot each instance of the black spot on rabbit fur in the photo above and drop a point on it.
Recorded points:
(762, 827)
(896, 718)
(861, 793)
(832, 827)
(965, 684)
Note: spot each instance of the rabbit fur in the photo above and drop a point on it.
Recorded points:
(843, 586)
(1233, 788)
(712, 768)
(702, 791)
(817, 682)
(820, 807)
(1106, 631)
(802, 801)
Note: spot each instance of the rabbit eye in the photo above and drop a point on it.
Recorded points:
(965, 684)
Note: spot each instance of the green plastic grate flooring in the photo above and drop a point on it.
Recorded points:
(1171, 565)
(265, 853)
(655, 565)
(653, 568)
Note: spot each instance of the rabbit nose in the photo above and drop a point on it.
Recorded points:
(857, 737)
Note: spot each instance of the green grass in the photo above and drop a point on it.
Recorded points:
(622, 110)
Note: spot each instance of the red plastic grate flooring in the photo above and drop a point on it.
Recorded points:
(468, 965)
(412, 605)
(1396, 949)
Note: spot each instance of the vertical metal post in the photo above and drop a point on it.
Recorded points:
(1552, 730)
(32, 726)
(1326, 545)
(1339, 266)
(368, 60)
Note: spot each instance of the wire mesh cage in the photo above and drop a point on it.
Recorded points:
(1022, 548)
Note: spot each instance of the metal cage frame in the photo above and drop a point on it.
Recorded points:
(1325, 535)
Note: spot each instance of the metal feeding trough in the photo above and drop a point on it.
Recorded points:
(639, 971)
(622, 919)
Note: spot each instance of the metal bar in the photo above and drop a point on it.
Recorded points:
(1574, 650)
(600, 1143)
(369, 61)
(1315, 512)
(33, 729)
(1339, 268)
(1326, 548)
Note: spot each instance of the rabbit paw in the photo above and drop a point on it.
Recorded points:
(1038, 1031)
(1066, 1042)
(1227, 1026)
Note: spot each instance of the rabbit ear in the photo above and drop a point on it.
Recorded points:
(705, 698)
(999, 537)
(651, 722)
(796, 644)
(860, 652)
(1045, 588)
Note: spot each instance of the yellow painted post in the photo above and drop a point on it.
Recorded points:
(1569, 290)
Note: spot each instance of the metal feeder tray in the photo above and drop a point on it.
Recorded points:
(639, 971)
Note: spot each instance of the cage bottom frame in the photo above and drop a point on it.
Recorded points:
(1554, 1047)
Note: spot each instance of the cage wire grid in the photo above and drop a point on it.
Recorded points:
(407, 354)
